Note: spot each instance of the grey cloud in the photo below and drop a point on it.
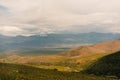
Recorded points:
(29, 17)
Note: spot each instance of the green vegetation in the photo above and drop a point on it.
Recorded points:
(108, 65)
(33, 52)
(71, 64)
(42, 51)
(21, 72)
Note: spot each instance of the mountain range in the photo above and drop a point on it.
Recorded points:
(36, 42)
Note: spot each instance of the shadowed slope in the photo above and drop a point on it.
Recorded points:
(108, 65)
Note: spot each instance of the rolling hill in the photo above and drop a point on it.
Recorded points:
(98, 48)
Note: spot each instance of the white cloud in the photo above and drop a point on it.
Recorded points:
(10, 30)
(28, 17)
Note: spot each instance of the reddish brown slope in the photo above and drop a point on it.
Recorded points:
(104, 47)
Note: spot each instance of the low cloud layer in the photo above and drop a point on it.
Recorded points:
(31, 17)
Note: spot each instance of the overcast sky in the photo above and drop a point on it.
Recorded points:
(31, 17)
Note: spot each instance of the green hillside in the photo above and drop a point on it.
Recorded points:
(21, 72)
(108, 65)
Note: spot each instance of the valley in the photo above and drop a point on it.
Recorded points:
(69, 61)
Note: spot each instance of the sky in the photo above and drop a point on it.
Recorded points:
(39, 17)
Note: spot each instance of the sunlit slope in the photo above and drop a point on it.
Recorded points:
(54, 61)
(104, 47)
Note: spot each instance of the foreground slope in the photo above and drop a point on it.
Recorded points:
(107, 65)
(21, 72)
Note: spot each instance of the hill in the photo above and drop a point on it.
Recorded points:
(98, 48)
(107, 65)
(21, 72)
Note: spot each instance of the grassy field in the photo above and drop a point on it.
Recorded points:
(67, 63)
(21, 72)
(62, 63)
